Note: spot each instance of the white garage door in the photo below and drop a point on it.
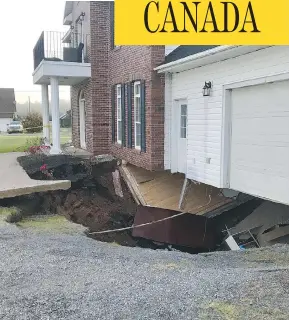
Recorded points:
(260, 141)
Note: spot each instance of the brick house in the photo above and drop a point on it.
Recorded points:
(118, 104)
(121, 106)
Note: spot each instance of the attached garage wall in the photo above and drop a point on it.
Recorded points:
(259, 157)
(168, 117)
(205, 114)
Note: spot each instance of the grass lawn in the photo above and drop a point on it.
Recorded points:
(21, 142)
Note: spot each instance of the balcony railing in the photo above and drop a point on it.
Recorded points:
(60, 46)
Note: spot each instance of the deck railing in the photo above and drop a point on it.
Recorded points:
(61, 46)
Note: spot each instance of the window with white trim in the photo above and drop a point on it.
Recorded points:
(184, 121)
(137, 116)
(119, 113)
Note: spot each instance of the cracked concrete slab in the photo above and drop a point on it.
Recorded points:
(14, 181)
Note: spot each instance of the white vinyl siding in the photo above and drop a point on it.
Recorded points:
(137, 115)
(205, 114)
(118, 114)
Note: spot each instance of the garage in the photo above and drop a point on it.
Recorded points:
(237, 128)
(259, 153)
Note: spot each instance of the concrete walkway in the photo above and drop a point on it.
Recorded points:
(14, 181)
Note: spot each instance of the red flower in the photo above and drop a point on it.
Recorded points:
(43, 167)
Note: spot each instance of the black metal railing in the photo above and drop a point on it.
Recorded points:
(60, 46)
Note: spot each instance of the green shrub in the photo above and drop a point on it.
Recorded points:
(6, 211)
(14, 216)
(33, 122)
(30, 142)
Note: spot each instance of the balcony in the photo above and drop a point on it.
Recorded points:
(61, 55)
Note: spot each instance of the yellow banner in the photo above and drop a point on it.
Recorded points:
(236, 22)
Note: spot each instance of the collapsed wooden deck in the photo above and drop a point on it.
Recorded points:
(164, 190)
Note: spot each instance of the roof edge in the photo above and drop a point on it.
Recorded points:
(168, 66)
(68, 8)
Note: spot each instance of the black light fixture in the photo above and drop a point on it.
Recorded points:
(207, 89)
(82, 15)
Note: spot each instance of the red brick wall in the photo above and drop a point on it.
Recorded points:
(118, 66)
(75, 116)
(129, 63)
(137, 63)
(96, 90)
(100, 45)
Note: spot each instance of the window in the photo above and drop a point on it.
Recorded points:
(137, 116)
(183, 121)
(119, 115)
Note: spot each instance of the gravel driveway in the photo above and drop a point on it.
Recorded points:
(47, 275)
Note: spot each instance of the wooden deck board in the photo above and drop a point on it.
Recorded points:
(141, 175)
(163, 190)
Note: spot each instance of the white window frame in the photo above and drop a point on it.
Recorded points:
(186, 122)
(118, 113)
(137, 96)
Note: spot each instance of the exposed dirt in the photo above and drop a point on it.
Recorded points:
(82, 206)
(100, 209)
(91, 201)
(67, 167)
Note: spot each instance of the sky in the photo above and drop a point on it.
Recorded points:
(22, 23)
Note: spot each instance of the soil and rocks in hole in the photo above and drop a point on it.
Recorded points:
(100, 209)
(91, 201)
(82, 206)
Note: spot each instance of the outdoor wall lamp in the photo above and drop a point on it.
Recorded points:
(81, 18)
(207, 89)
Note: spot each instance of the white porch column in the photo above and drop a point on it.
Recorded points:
(45, 113)
(55, 149)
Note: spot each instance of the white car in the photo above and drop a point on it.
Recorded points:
(15, 127)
